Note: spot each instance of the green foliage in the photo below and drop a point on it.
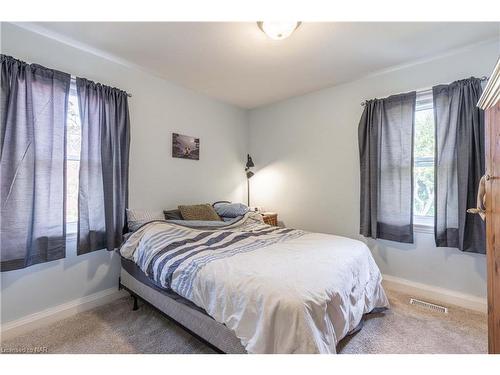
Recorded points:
(73, 143)
(424, 191)
(424, 163)
(424, 134)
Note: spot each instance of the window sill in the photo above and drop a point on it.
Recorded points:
(423, 224)
(71, 235)
(71, 231)
(423, 228)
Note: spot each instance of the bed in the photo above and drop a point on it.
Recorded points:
(247, 287)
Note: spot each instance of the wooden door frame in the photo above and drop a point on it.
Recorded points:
(490, 103)
(492, 122)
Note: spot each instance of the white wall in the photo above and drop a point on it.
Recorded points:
(306, 153)
(157, 180)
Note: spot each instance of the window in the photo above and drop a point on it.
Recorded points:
(73, 146)
(424, 142)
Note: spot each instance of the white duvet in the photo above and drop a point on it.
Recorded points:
(300, 295)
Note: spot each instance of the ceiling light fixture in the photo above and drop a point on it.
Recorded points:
(278, 30)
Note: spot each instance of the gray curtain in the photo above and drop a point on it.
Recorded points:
(103, 191)
(33, 103)
(385, 135)
(459, 164)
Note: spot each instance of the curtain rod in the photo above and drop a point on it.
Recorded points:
(73, 78)
(483, 78)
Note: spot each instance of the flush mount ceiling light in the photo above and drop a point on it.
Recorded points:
(278, 30)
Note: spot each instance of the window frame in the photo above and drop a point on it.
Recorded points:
(421, 223)
(71, 226)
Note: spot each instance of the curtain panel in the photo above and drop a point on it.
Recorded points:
(459, 161)
(103, 191)
(385, 136)
(33, 103)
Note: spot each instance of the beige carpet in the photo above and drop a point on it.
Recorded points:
(115, 328)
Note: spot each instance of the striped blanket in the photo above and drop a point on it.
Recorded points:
(279, 290)
(171, 255)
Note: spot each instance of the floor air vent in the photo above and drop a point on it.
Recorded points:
(429, 306)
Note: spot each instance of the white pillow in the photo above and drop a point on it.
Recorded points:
(136, 218)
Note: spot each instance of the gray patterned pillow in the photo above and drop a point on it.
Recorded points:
(230, 210)
(199, 212)
(136, 218)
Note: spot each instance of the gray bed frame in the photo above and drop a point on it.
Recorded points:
(216, 335)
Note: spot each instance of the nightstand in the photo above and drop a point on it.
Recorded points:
(270, 218)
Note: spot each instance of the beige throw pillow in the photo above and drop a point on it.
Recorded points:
(199, 212)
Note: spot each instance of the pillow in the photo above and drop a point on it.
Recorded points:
(199, 212)
(219, 202)
(136, 218)
(230, 210)
(172, 214)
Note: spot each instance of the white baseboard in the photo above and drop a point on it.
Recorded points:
(435, 294)
(53, 314)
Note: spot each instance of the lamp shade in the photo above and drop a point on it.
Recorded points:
(250, 163)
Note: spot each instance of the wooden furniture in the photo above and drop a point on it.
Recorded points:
(490, 103)
(270, 218)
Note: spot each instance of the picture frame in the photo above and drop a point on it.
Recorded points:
(185, 147)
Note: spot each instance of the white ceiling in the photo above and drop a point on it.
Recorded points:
(237, 63)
